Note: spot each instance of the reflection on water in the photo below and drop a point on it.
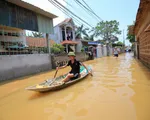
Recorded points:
(119, 90)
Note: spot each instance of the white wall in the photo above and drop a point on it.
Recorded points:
(104, 50)
(79, 46)
(99, 51)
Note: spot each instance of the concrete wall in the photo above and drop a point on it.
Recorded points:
(63, 59)
(104, 50)
(20, 65)
(99, 51)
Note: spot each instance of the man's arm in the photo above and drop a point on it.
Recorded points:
(90, 72)
(61, 67)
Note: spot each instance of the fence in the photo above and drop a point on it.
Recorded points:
(13, 45)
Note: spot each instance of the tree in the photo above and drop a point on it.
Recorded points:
(107, 30)
(37, 34)
(81, 31)
(119, 43)
(89, 37)
(130, 35)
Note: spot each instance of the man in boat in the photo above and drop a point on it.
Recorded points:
(75, 68)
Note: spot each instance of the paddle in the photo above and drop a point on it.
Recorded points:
(54, 78)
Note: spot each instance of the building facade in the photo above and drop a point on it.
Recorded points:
(142, 32)
(64, 33)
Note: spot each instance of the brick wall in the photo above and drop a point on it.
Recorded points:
(144, 48)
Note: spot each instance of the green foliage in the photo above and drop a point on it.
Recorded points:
(81, 31)
(119, 43)
(82, 50)
(130, 37)
(57, 48)
(107, 30)
(89, 37)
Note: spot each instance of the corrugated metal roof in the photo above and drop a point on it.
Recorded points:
(32, 8)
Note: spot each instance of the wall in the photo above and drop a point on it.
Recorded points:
(45, 24)
(99, 51)
(144, 48)
(58, 33)
(143, 39)
(63, 59)
(104, 50)
(21, 65)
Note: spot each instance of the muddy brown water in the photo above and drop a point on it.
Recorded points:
(119, 90)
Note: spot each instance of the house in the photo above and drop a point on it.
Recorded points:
(142, 32)
(65, 35)
(15, 17)
(18, 16)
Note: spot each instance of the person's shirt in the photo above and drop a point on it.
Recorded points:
(115, 51)
(75, 67)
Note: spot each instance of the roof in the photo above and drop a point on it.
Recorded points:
(69, 42)
(32, 8)
(37, 42)
(143, 9)
(67, 20)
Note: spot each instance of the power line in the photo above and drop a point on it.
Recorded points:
(88, 8)
(72, 13)
(65, 12)
(67, 3)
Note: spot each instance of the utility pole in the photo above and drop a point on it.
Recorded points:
(123, 40)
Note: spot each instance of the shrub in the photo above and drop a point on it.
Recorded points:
(55, 50)
(59, 46)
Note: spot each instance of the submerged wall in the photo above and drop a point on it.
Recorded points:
(13, 66)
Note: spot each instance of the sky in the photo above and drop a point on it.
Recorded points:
(124, 11)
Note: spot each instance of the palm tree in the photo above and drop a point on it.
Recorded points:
(89, 37)
(81, 31)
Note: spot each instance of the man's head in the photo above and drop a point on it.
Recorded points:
(71, 55)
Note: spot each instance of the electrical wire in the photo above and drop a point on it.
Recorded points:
(72, 13)
(65, 12)
(87, 7)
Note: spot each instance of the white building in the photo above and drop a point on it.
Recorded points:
(64, 33)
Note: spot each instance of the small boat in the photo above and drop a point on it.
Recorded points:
(49, 86)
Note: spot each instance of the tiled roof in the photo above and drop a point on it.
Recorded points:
(69, 42)
(65, 21)
(38, 42)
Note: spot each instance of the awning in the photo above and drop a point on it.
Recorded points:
(69, 42)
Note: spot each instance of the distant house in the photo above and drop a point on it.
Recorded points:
(142, 32)
(65, 35)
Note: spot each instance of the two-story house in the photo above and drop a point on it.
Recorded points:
(65, 35)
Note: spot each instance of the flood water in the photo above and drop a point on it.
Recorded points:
(119, 90)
